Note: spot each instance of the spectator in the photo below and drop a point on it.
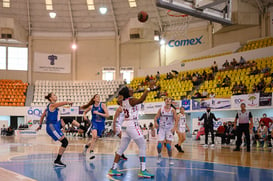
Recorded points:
(229, 133)
(204, 75)
(188, 76)
(196, 95)
(210, 76)
(242, 88)
(200, 132)
(261, 86)
(268, 123)
(254, 88)
(242, 62)
(175, 73)
(157, 76)
(266, 71)
(226, 82)
(3, 130)
(254, 71)
(221, 132)
(234, 63)
(9, 131)
(235, 89)
(226, 65)
(214, 67)
(271, 83)
(165, 93)
(158, 95)
(211, 95)
(219, 84)
(151, 77)
(205, 93)
(147, 78)
(183, 78)
(262, 135)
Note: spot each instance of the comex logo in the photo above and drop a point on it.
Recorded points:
(178, 43)
(238, 101)
(52, 59)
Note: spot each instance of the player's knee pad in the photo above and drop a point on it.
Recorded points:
(159, 145)
(64, 142)
(169, 147)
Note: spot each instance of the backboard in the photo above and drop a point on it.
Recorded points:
(213, 10)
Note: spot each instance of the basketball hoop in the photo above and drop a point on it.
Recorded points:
(169, 12)
(178, 24)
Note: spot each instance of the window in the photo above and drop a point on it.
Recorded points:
(6, 3)
(90, 4)
(48, 4)
(108, 73)
(2, 57)
(132, 3)
(17, 58)
(127, 74)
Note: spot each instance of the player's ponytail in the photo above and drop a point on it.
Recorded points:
(48, 96)
(91, 102)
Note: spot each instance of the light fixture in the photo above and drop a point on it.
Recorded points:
(74, 46)
(162, 42)
(103, 10)
(52, 15)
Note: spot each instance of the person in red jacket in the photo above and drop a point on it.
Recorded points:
(221, 132)
(268, 123)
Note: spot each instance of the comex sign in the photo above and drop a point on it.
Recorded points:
(187, 42)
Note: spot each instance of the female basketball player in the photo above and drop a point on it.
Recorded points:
(167, 127)
(99, 113)
(131, 130)
(53, 125)
(181, 132)
(117, 121)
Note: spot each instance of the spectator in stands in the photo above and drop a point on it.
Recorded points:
(261, 86)
(204, 75)
(234, 63)
(140, 88)
(151, 77)
(262, 135)
(243, 88)
(219, 84)
(226, 82)
(183, 78)
(254, 71)
(211, 95)
(175, 73)
(210, 76)
(158, 95)
(200, 132)
(214, 67)
(229, 133)
(188, 76)
(205, 93)
(254, 88)
(242, 62)
(235, 89)
(196, 95)
(156, 87)
(157, 76)
(271, 83)
(147, 78)
(195, 80)
(266, 71)
(226, 65)
(268, 123)
(165, 93)
(221, 132)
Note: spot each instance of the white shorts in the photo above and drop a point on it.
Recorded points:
(165, 134)
(182, 129)
(131, 129)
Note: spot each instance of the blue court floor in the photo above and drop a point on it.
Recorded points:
(40, 167)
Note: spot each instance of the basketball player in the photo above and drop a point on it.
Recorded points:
(131, 130)
(181, 132)
(117, 121)
(99, 113)
(167, 127)
(53, 125)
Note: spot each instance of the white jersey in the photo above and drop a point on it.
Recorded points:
(130, 112)
(182, 121)
(263, 130)
(166, 118)
(120, 118)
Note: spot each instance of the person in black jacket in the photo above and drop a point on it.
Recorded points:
(208, 124)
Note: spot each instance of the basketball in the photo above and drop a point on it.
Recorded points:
(142, 16)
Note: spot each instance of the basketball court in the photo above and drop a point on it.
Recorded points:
(29, 155)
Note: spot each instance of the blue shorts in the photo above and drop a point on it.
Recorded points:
(54, 131)
(99, 126)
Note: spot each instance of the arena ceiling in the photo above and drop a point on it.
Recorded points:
(74, 16)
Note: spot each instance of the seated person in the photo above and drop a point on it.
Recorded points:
(266, 71)
(200, 132)
(214, 67)
(254, 88)
(3, 130)
(158, 95)
(229, 133)
(196, 95)
(10, 131)
(205, 93)
(262, 135)
(226, 65)
(221, 132)
(226, 81)
(234, 63)
(242, 61)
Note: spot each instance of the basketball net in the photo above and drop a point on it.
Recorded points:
(178, 24)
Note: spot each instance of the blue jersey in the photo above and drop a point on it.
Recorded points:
(51, 117)
(95, 117)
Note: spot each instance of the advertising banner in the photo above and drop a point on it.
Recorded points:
(53, 63)
(186, 104)
(265, 99)
(214, 103)
(251, 100)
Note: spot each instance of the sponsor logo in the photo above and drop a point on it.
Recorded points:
(35, 112)
(238, 101)
(186, 42)
(52, 59)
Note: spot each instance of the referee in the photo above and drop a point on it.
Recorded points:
(243, 117)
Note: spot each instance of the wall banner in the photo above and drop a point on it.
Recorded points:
(214, 103)
(53, 63)
(251, 100)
